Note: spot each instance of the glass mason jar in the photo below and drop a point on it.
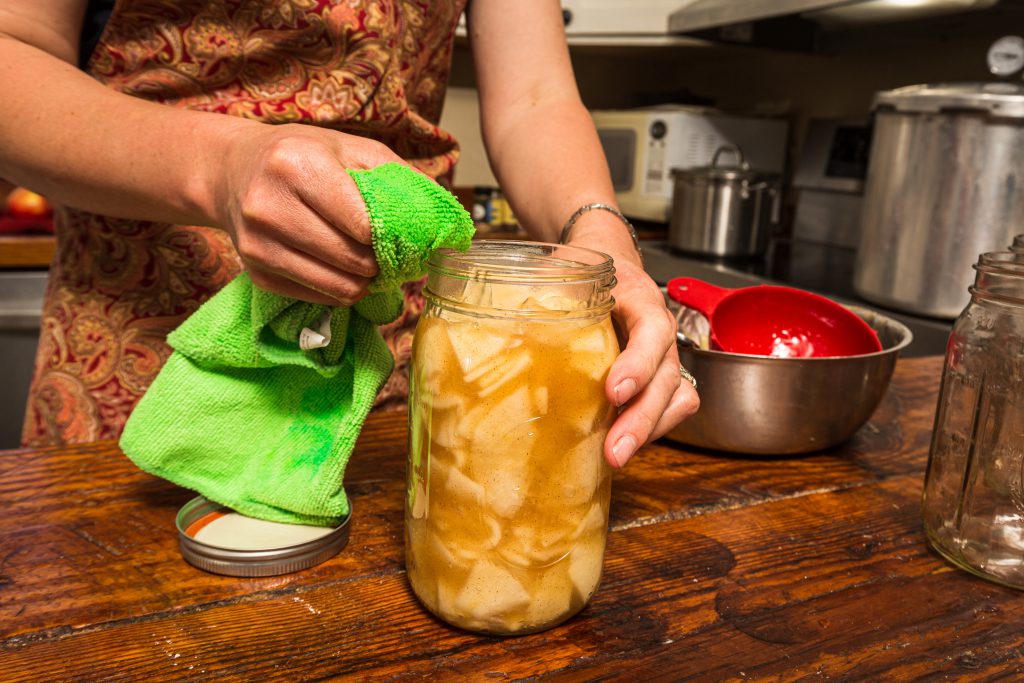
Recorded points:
(508, 490)
(974, 488)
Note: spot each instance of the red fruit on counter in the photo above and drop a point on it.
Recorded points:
(22, 203)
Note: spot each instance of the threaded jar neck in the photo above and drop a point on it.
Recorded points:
(522, 279)
(999, 278)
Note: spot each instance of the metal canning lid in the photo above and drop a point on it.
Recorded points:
(219, 540)
(998, 99)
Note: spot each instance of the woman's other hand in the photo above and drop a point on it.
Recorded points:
(645, 381)
(295, 215)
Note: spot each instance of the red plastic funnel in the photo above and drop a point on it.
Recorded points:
(783, 322)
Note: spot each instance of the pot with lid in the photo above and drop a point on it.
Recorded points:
(723, 211)
(943, 185)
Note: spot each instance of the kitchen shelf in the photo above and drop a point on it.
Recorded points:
(26, 251)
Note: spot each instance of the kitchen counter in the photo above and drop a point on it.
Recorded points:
(718, 567)
(26, 251)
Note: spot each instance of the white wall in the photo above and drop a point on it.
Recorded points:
(461, 117)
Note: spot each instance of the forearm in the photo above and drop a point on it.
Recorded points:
(540, 139)
(549, 162)
(84, 145)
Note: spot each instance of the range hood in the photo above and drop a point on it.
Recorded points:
(697, 15)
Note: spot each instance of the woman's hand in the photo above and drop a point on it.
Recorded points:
(645, 381)
(294, 214)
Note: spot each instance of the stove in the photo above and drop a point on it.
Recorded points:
(825, 269)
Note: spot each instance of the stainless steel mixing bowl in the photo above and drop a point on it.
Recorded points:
(782, 406)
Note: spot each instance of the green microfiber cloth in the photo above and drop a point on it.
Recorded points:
(241, 414)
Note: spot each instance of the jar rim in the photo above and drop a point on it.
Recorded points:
(580, 279)
(999, 278)
(517, 261)
(1001, 263)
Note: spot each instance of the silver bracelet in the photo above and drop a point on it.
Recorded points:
(597, 206)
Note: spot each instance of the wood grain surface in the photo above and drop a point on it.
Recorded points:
(719, 567)
(26, 251)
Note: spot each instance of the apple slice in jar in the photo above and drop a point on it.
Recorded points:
(593, 349)
(524, 548)
(475, 344)
(581, 470)
(491, 593)
(585, 566)
(550, 597)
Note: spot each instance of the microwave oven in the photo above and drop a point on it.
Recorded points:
(643, 146)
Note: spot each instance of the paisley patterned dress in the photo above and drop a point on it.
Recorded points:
(376, 68)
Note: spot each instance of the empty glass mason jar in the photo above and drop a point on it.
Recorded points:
(507, 508)
(974, 488)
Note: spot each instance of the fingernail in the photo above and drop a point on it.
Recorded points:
(623, 449)
(624, 390)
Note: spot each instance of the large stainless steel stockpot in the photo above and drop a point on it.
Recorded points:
(944, 184)
(720, 210)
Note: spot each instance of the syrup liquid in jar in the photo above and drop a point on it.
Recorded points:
(508, 490)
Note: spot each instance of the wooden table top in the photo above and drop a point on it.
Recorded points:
(718, 567)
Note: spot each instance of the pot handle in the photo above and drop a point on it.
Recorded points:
(776, 216)
(697, 294)
(735, 149)
(772, 191)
